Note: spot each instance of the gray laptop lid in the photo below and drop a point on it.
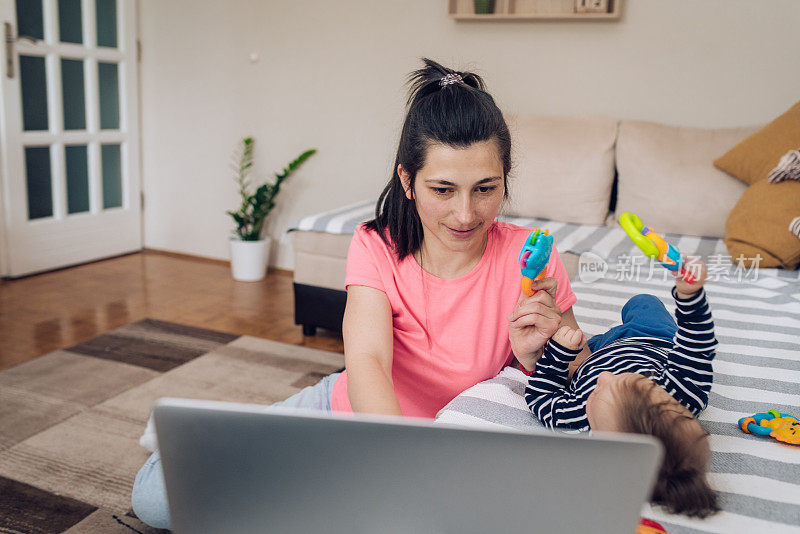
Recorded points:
(238, 468)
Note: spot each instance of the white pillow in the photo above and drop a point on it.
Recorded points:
(667, 176)
(563, 167)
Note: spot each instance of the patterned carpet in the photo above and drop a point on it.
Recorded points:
(70, 420)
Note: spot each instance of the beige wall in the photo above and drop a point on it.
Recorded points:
(330, 75)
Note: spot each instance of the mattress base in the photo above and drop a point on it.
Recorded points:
(318, 307)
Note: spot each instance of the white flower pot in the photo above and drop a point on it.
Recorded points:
(249, 259)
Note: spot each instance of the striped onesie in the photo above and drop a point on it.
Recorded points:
(681, 366)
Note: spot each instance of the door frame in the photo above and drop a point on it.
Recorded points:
(4, 205)
(3, 208)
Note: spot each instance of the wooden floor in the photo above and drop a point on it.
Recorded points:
(54, 310)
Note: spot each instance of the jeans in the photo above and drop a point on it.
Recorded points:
(149, 497)
(642, 315)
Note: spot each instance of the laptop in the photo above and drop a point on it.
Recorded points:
(240, 468)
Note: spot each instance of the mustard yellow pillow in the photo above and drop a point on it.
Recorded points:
(752, 160)
(760, 224)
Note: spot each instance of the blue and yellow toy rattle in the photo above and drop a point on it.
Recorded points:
(533, 258)
(780, 426)
(653, 245)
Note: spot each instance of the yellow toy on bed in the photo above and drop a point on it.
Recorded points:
(780, 426)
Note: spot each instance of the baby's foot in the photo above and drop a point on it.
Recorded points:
(569, 338)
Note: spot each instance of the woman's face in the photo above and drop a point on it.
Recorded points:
(458, 193)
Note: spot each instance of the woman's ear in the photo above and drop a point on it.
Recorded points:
(405, 180)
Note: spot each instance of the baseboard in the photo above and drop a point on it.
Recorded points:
(207, 259)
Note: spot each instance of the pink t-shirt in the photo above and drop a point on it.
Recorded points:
(466, 318)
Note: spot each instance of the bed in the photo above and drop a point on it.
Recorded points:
(757, 368)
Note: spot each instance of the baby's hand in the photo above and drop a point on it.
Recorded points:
(569, 338)
(698, 270)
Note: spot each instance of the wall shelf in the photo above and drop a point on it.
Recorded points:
(533, 10)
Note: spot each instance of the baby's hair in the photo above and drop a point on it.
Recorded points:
(681, 486)
(445, 107)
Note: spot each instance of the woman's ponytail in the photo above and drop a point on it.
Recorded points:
(427, 80)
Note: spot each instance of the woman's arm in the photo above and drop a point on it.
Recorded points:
(367, 332)
(568, 319)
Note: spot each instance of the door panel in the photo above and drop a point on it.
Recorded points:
(70, 151)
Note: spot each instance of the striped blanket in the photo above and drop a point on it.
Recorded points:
(757, 367)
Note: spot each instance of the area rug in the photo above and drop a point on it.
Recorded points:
(70, 420)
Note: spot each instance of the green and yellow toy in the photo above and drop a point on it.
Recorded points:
(654, 246)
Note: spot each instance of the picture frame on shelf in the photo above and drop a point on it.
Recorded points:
(535, 10)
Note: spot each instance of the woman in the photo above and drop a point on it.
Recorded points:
(433, 283)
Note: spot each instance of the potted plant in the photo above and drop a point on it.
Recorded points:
(249, 251)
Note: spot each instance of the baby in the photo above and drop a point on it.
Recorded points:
(646, 376)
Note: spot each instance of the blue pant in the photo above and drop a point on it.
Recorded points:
(642, 315)
(149, 497)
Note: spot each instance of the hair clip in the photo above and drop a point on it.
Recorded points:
(450, 78)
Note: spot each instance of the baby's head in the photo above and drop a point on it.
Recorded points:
(629, 402)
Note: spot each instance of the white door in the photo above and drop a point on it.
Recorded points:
(69, 139)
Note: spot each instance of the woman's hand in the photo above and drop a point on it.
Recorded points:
(534, 320)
